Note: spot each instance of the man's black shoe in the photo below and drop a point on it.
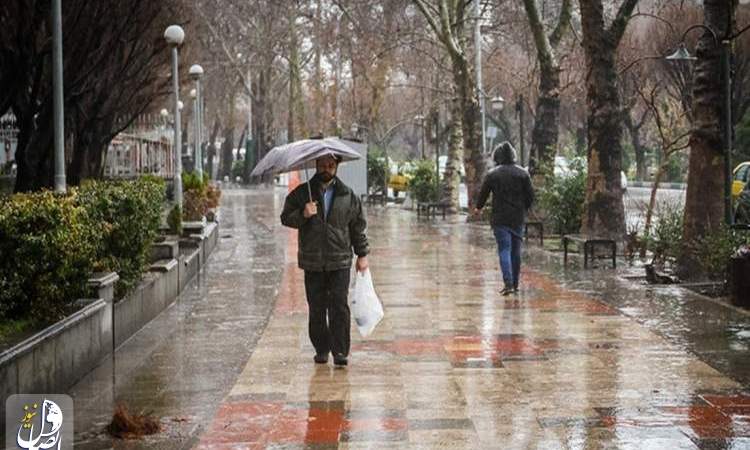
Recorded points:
(340, 360)
(507, 291)
(321, 358)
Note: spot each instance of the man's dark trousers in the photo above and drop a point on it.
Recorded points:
(327, 294)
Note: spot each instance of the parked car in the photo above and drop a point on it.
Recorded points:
(740, 177)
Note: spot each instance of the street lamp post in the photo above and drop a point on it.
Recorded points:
(174, 36)
(521, 143)
(57, 99)
(682, 54)
(196, 72)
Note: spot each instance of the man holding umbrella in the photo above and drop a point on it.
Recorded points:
(331, 224)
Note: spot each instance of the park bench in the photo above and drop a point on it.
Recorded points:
(539, 227)
(372, 199)
(430, 209)
(589, 245)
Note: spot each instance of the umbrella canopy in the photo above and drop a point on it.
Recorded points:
(299, 154)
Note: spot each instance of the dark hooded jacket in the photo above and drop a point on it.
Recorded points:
(510, 185)
(326, 243)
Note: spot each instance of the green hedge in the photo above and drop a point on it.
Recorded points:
(49, 250)
(52, 243)
(128, 214)
(562, 198)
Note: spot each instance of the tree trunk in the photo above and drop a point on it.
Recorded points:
(604, 213)
(226, 153)
(451, 178)
(546, 126)
(34, 154)
(211, 148)
(635, 139)
(704, 204)
(474, 162)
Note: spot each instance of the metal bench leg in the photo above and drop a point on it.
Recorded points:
(541, 235)
(565, 251)
(614, 256)
(585, 255)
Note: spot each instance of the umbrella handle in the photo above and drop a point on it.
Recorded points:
(309, 190)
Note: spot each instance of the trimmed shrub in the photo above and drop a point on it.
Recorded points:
(665, 237)
(49, 247)
(422, 183)
(562, 198)
(129, 215)
(716, 249)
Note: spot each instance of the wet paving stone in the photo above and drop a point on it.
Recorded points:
(578, 359)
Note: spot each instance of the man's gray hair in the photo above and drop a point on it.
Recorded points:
(504, 153)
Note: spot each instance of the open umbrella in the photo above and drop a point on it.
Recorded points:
(299, 154)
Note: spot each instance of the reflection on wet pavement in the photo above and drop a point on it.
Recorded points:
(579, 359)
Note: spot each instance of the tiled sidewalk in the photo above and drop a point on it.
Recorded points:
(454, 365)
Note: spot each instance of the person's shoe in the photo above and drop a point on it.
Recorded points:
(321, 358)
(340, 360)
(515, 289)
(507, 291)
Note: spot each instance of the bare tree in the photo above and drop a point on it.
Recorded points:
(447, 19)
(704, 206)
(604, 212)
(546, 125)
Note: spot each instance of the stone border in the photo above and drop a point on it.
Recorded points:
(54, 359)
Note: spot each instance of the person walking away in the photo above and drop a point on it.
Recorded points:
(331, 225)
(512, 196)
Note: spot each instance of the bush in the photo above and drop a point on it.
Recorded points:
(238, 169)
(716, 248)
(49, 249)
(213, 193)
(665, 236)
(562, 198)
(129, 213)
(422, 183)
(376, 171)
(174, 220)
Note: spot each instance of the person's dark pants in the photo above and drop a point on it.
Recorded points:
(330, 318)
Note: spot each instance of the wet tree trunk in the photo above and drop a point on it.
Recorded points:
(211, 148)
(604, 214)
(634, 130)
(704, 205)
(474, 162)
(447, 21)
(451, 176)
(34, 155)
(226, 153)
(546, 126)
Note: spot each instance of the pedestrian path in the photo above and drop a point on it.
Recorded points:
(455, 365)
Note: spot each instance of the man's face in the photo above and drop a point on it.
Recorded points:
(326, 168)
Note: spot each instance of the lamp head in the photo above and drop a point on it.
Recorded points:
(196, 71)
(174, 35)
(497, 103)
(681, 54)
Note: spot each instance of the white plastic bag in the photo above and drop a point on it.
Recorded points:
(366, 307)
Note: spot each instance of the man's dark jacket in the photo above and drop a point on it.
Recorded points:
(325, 243)
(512, 195)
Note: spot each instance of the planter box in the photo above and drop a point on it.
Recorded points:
(54, 359)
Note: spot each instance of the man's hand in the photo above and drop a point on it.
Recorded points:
(311, 209)
(362, 264)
